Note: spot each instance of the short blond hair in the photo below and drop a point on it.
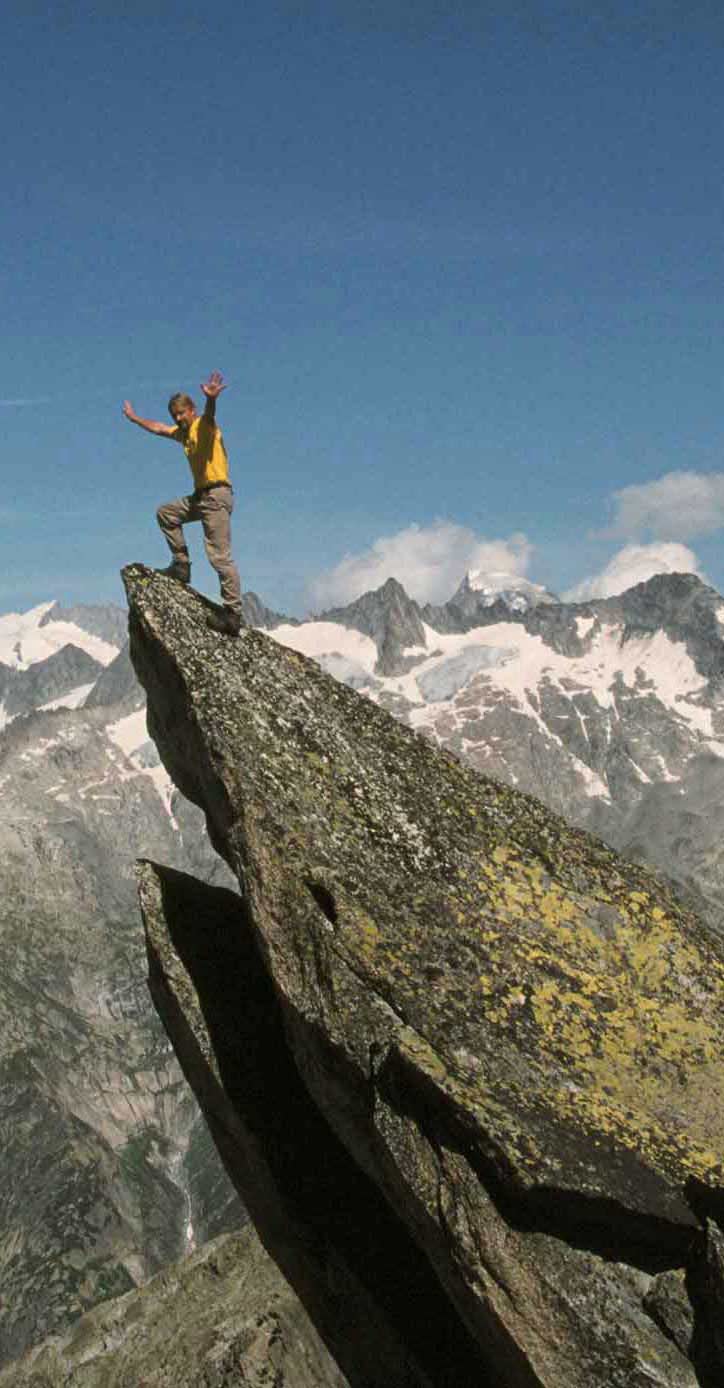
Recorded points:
(180, 398)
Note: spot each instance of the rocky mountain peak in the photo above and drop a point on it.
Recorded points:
(257, 614)
(484, 598)
(481, 588)
(682, 606)
(106, 621)
(486, 1021)
(389, 617)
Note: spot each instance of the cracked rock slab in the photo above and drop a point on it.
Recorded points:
(515, 1033)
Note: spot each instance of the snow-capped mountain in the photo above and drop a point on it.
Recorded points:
(106, 1167)
(51, 657)
(487, 587)
(594, 707)
(66, 657)
(585, 705)
(30, 637)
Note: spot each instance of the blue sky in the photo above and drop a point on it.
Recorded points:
(461, 264)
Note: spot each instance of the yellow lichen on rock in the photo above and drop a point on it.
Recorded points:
(572, 1004)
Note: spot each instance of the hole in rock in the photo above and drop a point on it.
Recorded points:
(324, 900)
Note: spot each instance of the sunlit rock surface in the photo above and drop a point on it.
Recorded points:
(222, 1317)
(515, 1035)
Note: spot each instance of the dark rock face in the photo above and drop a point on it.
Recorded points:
(99, 619)
(257, 614)
(77, 1186)
(472, 606)
(682, 606)
(116, 684)
(394, 621)
(389, 617)
(21, 691)
(348, 1257)
(626, 707)
(678, 604)
(515, 1035)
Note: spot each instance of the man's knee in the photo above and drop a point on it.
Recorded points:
(167, 517)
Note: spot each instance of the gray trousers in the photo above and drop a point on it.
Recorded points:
(213, 508)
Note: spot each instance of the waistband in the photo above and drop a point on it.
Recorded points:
(200, 490)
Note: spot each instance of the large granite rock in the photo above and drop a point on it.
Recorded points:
(511, 1037)
(347, 1255)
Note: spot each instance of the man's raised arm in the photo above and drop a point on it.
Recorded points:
(212, 390)
(152, 426)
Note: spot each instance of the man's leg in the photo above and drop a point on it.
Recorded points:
(215, 508)
(171, 518)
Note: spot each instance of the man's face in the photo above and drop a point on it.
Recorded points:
(182, 415)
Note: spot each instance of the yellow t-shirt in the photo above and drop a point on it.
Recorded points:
(204, 448)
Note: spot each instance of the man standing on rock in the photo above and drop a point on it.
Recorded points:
(211, 501)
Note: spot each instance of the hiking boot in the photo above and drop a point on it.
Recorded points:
(178, 570)
(228, 622)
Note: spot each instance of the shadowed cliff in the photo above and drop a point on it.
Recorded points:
(510, 1038)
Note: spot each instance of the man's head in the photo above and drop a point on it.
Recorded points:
(182, 410)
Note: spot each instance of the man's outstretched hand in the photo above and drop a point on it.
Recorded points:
(213, 387)
(129, 411)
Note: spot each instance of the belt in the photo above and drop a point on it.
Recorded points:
(200, 490)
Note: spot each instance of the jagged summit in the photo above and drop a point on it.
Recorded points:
(51, 656)
(516, 1035)
(26, 638)
(682, 606)
(257, 614)
(397, 623)
(389, 617)
(490, 586)
(107, 621)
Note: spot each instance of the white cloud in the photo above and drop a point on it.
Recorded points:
(677, 506)
(634, 564)
(429, 562)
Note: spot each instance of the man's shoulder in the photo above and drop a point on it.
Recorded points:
(203, 425)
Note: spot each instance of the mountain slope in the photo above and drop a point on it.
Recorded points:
(104, 1171)
(222, 1315)
(52, 656)
(585, 705)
